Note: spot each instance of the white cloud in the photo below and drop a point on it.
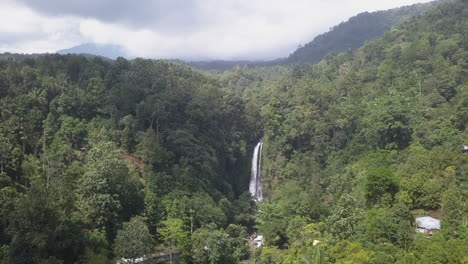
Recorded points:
(25, 31)
(231, 29)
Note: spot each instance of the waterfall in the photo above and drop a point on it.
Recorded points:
(255, 186)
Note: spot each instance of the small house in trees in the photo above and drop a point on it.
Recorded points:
(465, 149)
(427, 225)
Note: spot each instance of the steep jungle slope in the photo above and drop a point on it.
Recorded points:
(357, 146)
(353, 33)
(106, 159)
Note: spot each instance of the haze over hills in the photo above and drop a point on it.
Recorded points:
(104, 50)
(347, 35)
(353, 33)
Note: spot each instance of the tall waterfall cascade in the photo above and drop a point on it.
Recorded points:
(255, 186)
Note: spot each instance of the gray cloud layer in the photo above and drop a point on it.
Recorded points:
(179, 15)
(203, 29)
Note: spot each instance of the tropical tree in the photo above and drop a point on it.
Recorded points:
(134, 239)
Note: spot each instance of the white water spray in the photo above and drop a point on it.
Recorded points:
(255, 186)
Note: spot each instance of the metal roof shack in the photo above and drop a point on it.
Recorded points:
(427, 225)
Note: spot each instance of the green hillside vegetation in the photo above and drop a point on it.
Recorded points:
(90, 150)
(352, 34)
(358, 145)
(103, 159)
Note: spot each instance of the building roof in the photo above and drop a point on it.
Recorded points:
(428, 222)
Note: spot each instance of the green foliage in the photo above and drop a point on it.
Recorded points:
(347, 252)
(353, 33)
(37, 231)
(173, 233)
(105, 190)
(150, 151)
(291, 205)
(438, 249)
(375, 134)
(212, 246)
(394, 225)
(134, 239)
(453, 210)
(389, 119)
(354, 146)
(102, 141)
(379, 182)
(269, 255)
(345, 217)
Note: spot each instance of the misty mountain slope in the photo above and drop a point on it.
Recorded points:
(349, 35)
(353, 33)
(104, 50)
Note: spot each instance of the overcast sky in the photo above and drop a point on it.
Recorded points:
(189, 29)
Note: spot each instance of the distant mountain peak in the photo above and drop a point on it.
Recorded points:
(105, 50)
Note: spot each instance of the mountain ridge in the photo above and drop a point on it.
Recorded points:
(104, 50)
(354, 32)
(347, 35)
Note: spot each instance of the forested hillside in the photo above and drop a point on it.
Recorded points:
(88, 145)
(353, 33)
(357, 146)
(107, 51)
(108, 159)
